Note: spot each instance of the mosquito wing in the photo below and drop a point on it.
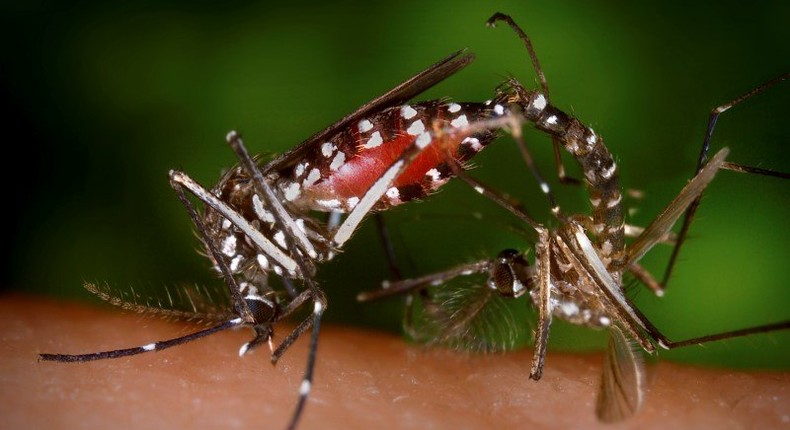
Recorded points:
(398, 95)
(658, 229)
(467, 315)
(623, 379)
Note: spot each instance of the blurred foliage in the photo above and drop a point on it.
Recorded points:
(105, 98)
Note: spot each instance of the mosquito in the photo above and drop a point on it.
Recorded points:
(259, 221)
(578, 268)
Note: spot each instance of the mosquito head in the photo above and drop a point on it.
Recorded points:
(510, 274)
(262, 308)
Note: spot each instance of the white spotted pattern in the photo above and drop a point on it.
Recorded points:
(260, 211)
(407, 112)
(235, 262)
(263, 261)
(614, 202)
(416, 128)
(393, 193)
(374, 141)
(591, 139)
(328, 204)
(474, 143)
(540, 102)
(292, 191)
(339, 160)
(327, 149)
(606, 174)
(279, 237)
(460, 122)
(315, 174)
(299, 170)
(453, 108)
(423, 140)
(606, 248)
(365, 126)
(229, 246)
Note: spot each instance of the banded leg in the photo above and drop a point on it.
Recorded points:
(703, 159)
(295, 240)
(564, 179)
(154, 346)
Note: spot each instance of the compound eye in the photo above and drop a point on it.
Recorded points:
(262, 309)
(510, 274)
(501, 278)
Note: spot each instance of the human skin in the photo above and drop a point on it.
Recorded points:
(363, 379)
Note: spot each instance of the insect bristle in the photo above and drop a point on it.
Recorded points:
(190, 303)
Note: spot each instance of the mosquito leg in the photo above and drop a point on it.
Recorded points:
(703, 157)
(386, 243)
(260, 241)
(664, 222)
(307, 381)
(543, 256)
(155, 346)
(288, 284)
(283, 219)
(382, 184)
(411, 285)
(235, 292)
(514, 208)
(784, 325)
(286, 223)
(396, 275)
(529, 161)
(491, 22)
(646, 278)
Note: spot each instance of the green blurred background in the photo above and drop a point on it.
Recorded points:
(105, 99)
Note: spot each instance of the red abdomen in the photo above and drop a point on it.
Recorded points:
(335, 174)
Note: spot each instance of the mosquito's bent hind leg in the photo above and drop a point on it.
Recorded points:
(240, 306)
(703, 159)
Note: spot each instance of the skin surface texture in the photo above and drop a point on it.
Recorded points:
(363, 380)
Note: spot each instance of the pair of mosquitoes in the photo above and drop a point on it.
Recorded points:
(260, 220)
